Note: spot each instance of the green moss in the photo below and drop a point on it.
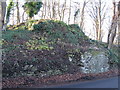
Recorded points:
(95, 53)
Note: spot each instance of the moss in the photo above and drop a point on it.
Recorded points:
(95, 53)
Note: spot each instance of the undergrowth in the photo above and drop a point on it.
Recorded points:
(42, 48)
(38, 48)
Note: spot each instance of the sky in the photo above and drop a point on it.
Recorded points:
(89, 31)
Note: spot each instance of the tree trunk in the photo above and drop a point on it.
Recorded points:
(113, 29)
(53, 9)
(69, 13)
(45, 9)
(2, 14)
(13, 15)
(49, 9)
(100, 21)
(63, 10)
(98, 15)
(1, 19)
(18, 14)
(118, 31)
(119, 24)
(82, 15)
(112, 34)
(59, 11)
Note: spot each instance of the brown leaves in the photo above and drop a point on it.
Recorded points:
(58, 79)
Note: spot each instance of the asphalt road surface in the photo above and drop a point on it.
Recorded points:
(102, 83)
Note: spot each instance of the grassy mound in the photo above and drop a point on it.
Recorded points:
(42, 48)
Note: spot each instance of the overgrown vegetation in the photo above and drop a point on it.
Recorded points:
(9, 8)
(44, 49)
(32, 8)
(114, 57)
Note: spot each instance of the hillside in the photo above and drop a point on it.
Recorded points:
(46, 48)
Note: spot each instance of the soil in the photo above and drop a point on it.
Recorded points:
(33, 82)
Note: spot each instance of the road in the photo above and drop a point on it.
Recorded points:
(107, 84)
(102, 83)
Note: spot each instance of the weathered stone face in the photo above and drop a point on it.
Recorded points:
(94, 62)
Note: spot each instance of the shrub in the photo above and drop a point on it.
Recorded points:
(30, 23)
(49, 25)
(42, 26)
(114, 56)
(74, 26)
(17, 34)
(38, 44)
(71, 38)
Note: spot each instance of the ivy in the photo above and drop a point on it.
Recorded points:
(9, 8)
(32, 8)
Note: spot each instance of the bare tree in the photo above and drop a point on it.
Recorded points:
(18, 14)
(49, 9)
(79, 15)
(1, 19)
(59, 11)
(98, 13)
(113, 28)
(23, 14)
(82, 16)
(118, 24)
(13, 16)
(53, 9)
(64, 9)
(69, 12)
(76, 16)
(2, 14)
(44, 9)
